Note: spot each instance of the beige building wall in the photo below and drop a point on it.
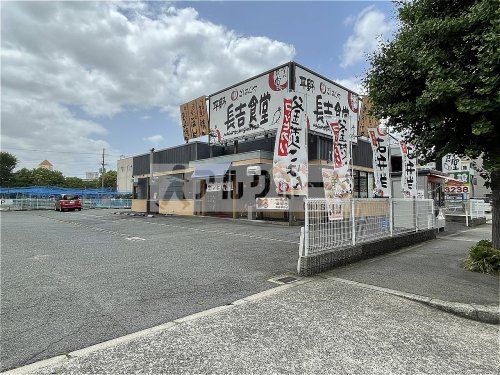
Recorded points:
(177, 207)
(124, 179)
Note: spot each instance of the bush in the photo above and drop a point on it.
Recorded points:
(483, 258)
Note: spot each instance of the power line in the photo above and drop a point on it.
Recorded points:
(60, 152)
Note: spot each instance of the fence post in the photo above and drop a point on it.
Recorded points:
(415, 211)
(353, 222)
(467, 214)
(391, 218)
(431, 222)
(306, 227)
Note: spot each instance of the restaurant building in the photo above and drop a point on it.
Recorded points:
(231, 175)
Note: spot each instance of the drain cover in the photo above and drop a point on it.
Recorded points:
(284, 279)
(287, 279)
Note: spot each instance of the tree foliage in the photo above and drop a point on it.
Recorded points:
(109, 180)
(7, 164)
(437, 81)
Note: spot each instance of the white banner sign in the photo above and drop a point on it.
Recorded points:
(451, 163)
(381, 162)
(325, 100)
(249, 108)
(279, 203)
(290, 162)
(409, 172)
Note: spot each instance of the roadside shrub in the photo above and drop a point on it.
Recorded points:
(483, 258)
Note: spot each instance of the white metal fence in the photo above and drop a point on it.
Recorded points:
(21, 204)
(330, 225)
(475, 208)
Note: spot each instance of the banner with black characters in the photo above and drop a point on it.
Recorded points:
(409, 171)
(325, 100)
(381, 162)
(249, 108)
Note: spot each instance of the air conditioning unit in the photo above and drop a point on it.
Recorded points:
(253, 170)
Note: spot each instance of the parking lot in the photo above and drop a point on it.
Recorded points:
(73, 279)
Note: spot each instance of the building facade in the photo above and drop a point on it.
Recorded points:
(231, 175)
(124, 175)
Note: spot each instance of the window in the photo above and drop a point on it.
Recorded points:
(363, 184)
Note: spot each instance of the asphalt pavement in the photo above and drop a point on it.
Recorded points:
(74, 279)
(320, 327)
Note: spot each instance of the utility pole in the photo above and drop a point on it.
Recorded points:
(103, 170)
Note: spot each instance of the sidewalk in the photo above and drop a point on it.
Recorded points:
(322, 326)
(433, 269)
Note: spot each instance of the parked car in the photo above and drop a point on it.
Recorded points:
(65, 202)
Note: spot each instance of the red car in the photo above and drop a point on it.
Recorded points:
(66, 202)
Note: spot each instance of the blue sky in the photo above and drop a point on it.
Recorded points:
(118, 83)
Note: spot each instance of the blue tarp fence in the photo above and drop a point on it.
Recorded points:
(47, 191)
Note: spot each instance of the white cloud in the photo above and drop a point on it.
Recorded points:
(351, 83)
(104, 57)
(370, 27)
(154, 139)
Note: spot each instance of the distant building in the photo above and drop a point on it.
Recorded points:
(46, 165)
(91, 175)
(124, 175)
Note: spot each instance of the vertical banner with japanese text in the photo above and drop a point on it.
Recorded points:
(340, 177)
(290, 162)
(409, 170)
(381, 162)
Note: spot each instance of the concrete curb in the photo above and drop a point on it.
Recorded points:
(480, 313)
(59, 359)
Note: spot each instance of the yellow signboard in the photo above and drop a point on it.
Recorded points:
(194, 118)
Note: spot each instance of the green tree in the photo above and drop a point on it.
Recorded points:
(437, 83)
(74, 182)
(45, 177)
(109, 180)
(22, 178)
(7, 164)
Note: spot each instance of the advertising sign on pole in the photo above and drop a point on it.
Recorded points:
(380, 149)
(409, 172)
(459, 184)
(325, 99)
(451, 163)
(290, 162)
(249, 108)
(194, 118)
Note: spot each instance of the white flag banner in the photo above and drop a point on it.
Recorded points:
(341, 141)
(409, 172)
(381, 162)
(290, 162)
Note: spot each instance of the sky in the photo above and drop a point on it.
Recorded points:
(77, 77)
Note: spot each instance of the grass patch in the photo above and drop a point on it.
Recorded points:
(483, 258)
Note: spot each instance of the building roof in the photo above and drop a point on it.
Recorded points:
(46, 162)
